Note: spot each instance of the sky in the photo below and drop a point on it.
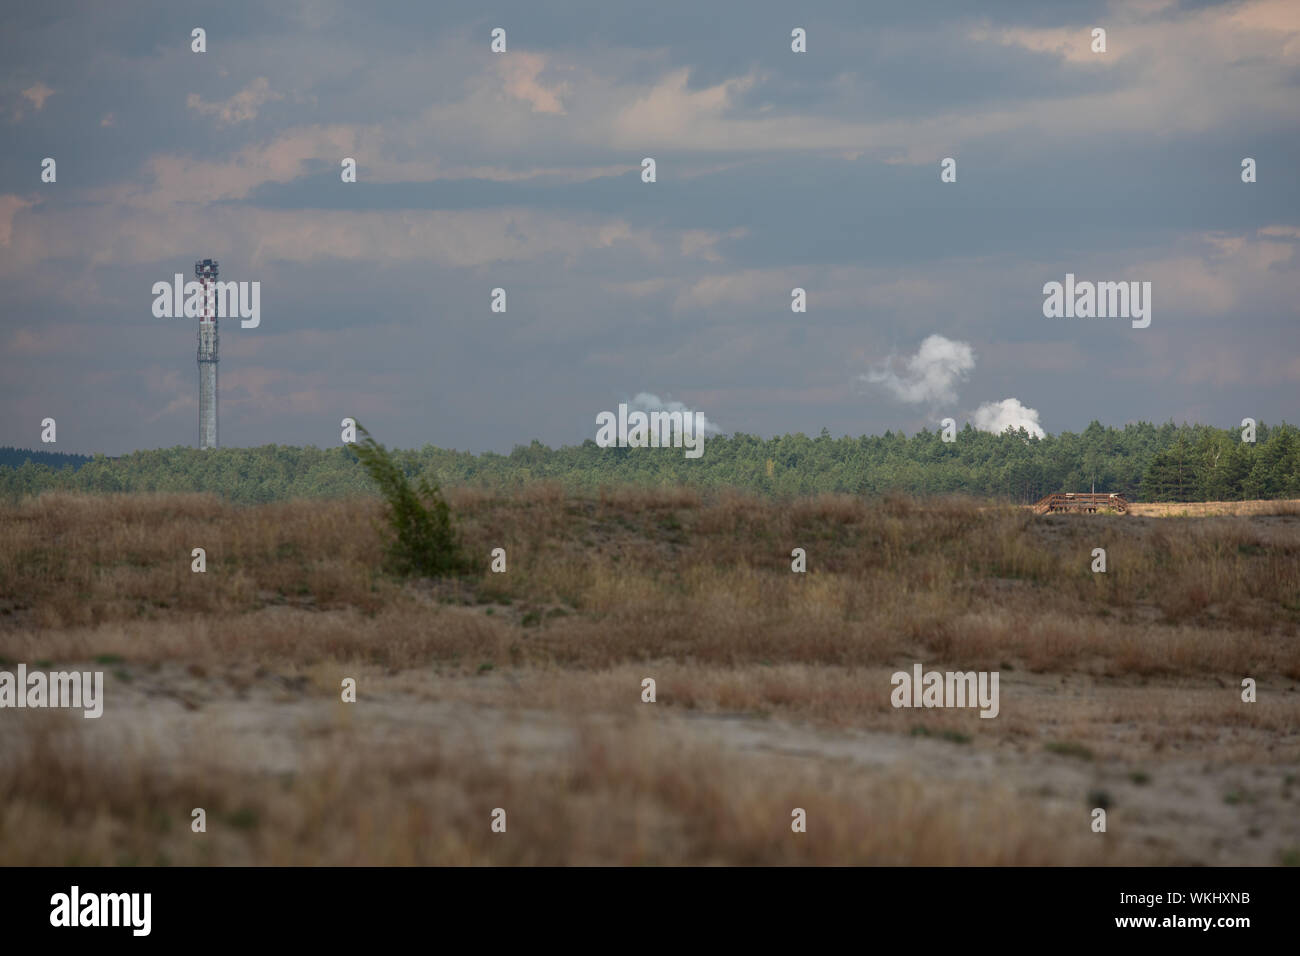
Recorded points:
(522, 170)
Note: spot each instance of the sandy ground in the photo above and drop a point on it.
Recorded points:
(1194, 801)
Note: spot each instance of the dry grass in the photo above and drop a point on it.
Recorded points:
(1200, 509)
(637, 794)
(640, 575)
(1138, 669)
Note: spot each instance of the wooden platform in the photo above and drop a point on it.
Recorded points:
(1081, 503)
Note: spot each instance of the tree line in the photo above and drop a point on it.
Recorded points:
(1143, 461)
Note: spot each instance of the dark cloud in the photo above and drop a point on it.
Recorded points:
(774, 170)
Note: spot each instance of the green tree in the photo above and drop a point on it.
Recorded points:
(1171, 476)
(1276, 471)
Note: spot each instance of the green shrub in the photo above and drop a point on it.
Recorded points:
(424, 542)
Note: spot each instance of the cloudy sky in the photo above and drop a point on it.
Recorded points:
(522, 170)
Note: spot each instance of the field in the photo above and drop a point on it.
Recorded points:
(523, 690)
(1202, 509)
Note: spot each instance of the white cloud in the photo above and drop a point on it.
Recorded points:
(928, 377)
(671, 112)
(646, 402)
(240, 107)
(37, 95)
(997, 417)
(702, 243)
(521, 72)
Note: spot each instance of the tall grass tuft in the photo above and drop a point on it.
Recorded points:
(424, 543)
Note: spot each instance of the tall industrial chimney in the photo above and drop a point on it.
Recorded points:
(206, 272)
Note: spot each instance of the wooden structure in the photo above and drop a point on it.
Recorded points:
(1081, 503)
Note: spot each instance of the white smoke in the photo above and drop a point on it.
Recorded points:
(997, 417)
(646, 402)
(930, 376)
